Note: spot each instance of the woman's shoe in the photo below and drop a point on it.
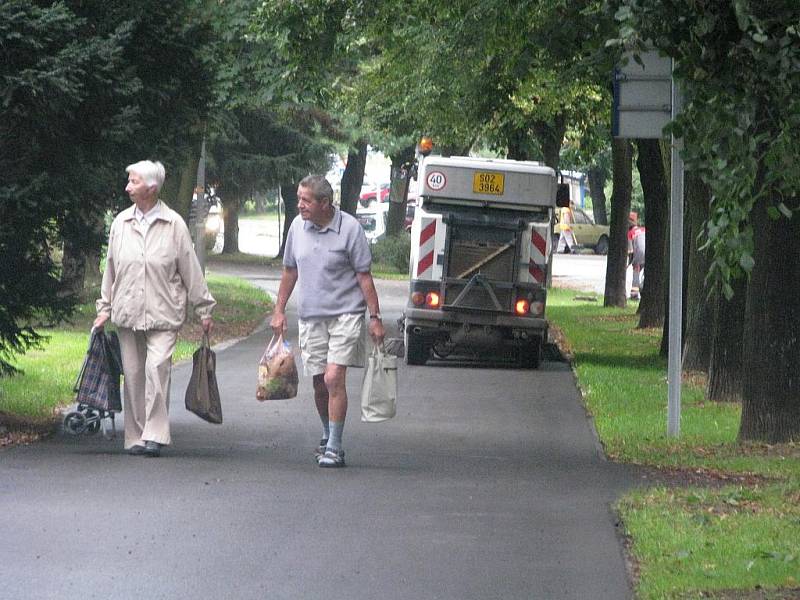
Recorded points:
(152, 448)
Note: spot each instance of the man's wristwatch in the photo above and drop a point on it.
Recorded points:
(376, 316)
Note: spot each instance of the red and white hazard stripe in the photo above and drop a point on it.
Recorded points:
(537, 266)
(427, 243)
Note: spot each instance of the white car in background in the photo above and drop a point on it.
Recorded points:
(373, 220)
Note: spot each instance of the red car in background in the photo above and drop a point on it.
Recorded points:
(369, 193)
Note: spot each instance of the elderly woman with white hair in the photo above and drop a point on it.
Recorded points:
(151, 276)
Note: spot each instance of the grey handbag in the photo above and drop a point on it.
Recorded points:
(202, 394)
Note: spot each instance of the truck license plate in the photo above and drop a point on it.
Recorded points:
(488, 183)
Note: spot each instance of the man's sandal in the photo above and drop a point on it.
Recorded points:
(332, 459)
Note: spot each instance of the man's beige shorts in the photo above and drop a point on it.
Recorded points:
(339, 340)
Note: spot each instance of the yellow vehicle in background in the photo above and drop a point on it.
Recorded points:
(587, 233)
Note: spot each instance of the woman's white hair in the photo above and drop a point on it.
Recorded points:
(152, 173)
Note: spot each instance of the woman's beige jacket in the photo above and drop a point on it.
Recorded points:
(151, 275)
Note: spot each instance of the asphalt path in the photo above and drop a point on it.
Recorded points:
(584, 271)
(488, 484)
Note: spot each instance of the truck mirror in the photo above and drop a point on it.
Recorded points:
(562, 195)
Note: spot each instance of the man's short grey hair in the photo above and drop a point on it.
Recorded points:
(152, 173)
(319, 186)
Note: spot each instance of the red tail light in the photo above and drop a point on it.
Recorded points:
(432, 299)
(418, 298)
(521, 306)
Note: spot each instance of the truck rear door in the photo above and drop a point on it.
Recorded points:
(481, 263)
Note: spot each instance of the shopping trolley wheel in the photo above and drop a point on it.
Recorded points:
(93, 417)
(75, 423)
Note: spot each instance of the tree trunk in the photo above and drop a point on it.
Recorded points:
(80, 263)
(261, 202)
(353, 177)
(230, 216)
(771, 347)
(401, 163)
(656, 205)
(73, 268)
(551, 137)
(169, 191)
(179, 187)
(93, 277)
(597, 190)
(289, 194)
(697, 308)
(725, 364)
(664, 350)
(519, 146)
(615, 293)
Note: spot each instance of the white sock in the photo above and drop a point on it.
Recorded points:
(335, 438)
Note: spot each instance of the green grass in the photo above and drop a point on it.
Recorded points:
(50, 371)
(686, 541)
(384, 271)
(695, 540)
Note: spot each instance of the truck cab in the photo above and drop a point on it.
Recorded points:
(480, 255)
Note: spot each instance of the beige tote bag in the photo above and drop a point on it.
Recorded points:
(379, 388)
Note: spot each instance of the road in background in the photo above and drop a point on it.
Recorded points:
(259, 236)
(575, 271)
(585, 272)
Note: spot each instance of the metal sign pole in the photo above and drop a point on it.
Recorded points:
(646, 98)
(202, 210)
(280, 229)
(675, 277)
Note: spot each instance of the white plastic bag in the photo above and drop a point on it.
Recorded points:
(379, 387)
(277, 372)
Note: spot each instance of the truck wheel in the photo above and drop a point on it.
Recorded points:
(417, 351)
(602, 246)
(530, 355)
(442, 349)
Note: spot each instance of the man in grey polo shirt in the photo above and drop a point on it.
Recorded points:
(327, 254)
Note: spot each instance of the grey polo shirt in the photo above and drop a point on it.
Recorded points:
(327, 260)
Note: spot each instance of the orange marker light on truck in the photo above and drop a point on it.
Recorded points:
(425, 146)
(521, 307)
(432, 299)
